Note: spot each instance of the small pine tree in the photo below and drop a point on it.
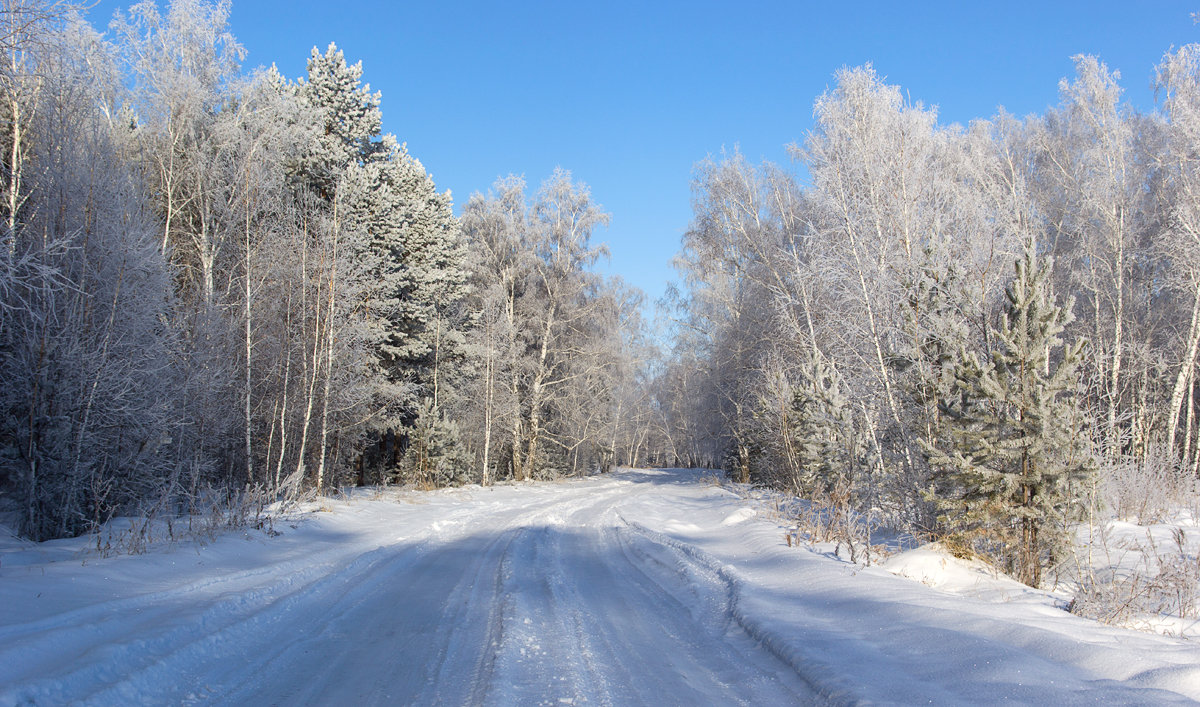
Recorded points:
(935, 329)
(820, 422)
(435, 455)
(833, 453)
(1007, 461)
(936, 315)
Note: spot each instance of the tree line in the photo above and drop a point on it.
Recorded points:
(966, 331)
(215, 281)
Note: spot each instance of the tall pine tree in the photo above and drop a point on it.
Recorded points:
(404, 235)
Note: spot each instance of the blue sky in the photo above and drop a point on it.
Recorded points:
(630, 95)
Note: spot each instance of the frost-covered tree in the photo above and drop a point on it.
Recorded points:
(87, 417)
(403, 236)
(546, 323)
(1178, 245)
(182, 62)
(1012, 452)
(182, 66)
(1093, 187)
(417, 241)
(436, 455)
(349, 117)
(736, 261)
(828, 445)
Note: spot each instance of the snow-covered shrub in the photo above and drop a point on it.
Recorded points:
(829, 518)
(1158, 582)
(1150, 487)
(198, 518)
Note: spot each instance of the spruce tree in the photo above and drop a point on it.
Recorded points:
(1011, 450)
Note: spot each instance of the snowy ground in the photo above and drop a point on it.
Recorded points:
(640, 587)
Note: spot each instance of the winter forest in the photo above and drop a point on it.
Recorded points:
(224, 283)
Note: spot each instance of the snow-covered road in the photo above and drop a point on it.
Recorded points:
(641, 587)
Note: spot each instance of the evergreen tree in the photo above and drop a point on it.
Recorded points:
(1011, 450)
(426, 328)
(821, 425)
(936, 315)
(833, 452)
(403, 234)
(435, 454)
(352, 120)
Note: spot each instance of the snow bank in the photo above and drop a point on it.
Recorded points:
(934, 566)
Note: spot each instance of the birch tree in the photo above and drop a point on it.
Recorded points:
(540, 309)
(88, 417)
(1179, 244)
(1090, 163)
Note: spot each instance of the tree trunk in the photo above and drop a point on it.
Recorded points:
(1183, 376)
(329, 320)
(314, 365)
(489, 380)
(15, 162)
(1030, 570)
(1118, 331)
(437, 353)
(283, 405)
(248, 341)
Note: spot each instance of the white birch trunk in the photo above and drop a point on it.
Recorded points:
(328, 351)
(1183, 376)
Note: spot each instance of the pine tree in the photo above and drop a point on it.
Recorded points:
(935, 329)
(351, 116)
(821, 425)
(425, 334)
(403, 234)
(1011, 451)
(832, 451)
(435, 454)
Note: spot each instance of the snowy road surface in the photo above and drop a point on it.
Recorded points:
(640, 587)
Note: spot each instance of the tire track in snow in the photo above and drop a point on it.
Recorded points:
(604, 614)
(540, 656)
(615, 624)
(823, 679)
(681, 617)
(174, 630)
(439, 624)
(164, 625)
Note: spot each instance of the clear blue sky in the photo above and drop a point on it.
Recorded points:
(630, 95)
